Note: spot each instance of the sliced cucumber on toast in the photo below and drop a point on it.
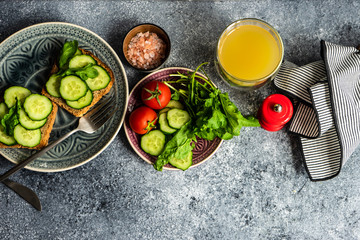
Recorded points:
(6, 139)
(53, 85)
(80, 61)
(72, 88)
(25, 137)
(29, 124)
(82, 102)
(13, 93)
(37, 107)
(99, 82)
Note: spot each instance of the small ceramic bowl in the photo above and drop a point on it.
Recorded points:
(143, 28)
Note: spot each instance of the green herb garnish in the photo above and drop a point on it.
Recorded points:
(67, 52)
(84, 73)
(11, 119)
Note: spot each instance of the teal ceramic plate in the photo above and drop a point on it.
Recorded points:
(25, 60)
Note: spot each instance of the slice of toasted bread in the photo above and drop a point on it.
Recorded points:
(45, 132)
(96, 94)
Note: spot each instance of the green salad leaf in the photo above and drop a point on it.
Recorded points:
(212, 113)
(178, 146)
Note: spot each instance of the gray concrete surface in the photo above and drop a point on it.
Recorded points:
(254, 187)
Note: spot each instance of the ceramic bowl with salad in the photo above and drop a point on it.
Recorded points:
(177, 118)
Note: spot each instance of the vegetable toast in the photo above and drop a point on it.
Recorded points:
(18, 130)
(97, 94)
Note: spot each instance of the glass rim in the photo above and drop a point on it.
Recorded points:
(272, 29)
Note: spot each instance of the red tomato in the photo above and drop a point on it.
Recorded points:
(156, 95)
(142, 120)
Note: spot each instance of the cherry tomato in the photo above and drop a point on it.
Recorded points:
(156, 95)
(142, 120)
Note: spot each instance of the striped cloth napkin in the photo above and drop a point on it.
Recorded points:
(327, 117)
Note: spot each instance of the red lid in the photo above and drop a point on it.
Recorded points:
(275, 112)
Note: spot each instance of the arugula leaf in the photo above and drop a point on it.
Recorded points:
(67, 52)
(11, 119)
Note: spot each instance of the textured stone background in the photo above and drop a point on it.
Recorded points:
(254, 187)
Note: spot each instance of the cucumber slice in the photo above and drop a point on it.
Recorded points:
(27, 138)
(164, 125)
(177, 117)
(72, 88)
(37, 107)
(3, 110)
(153, 142)
(99, 82)
(80, 61)
(182, 164)
(6, 139)
(164, 110)
(14, 92)
(27, 123)
(53, 85)
(82, 102)
(175, 104)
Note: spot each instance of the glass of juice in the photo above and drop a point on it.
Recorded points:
(249, 53)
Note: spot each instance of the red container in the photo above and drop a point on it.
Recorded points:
(275, 112)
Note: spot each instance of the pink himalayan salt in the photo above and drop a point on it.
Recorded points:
(146, 50)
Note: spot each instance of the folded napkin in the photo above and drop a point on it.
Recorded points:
(327, 116)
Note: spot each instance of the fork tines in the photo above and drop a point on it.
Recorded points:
(101, 112)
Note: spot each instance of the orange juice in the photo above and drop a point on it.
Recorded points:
(249, 53)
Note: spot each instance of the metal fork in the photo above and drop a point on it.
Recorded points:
(88, 123)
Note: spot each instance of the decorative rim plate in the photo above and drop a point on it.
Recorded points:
(203, 150)
(26, 58)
